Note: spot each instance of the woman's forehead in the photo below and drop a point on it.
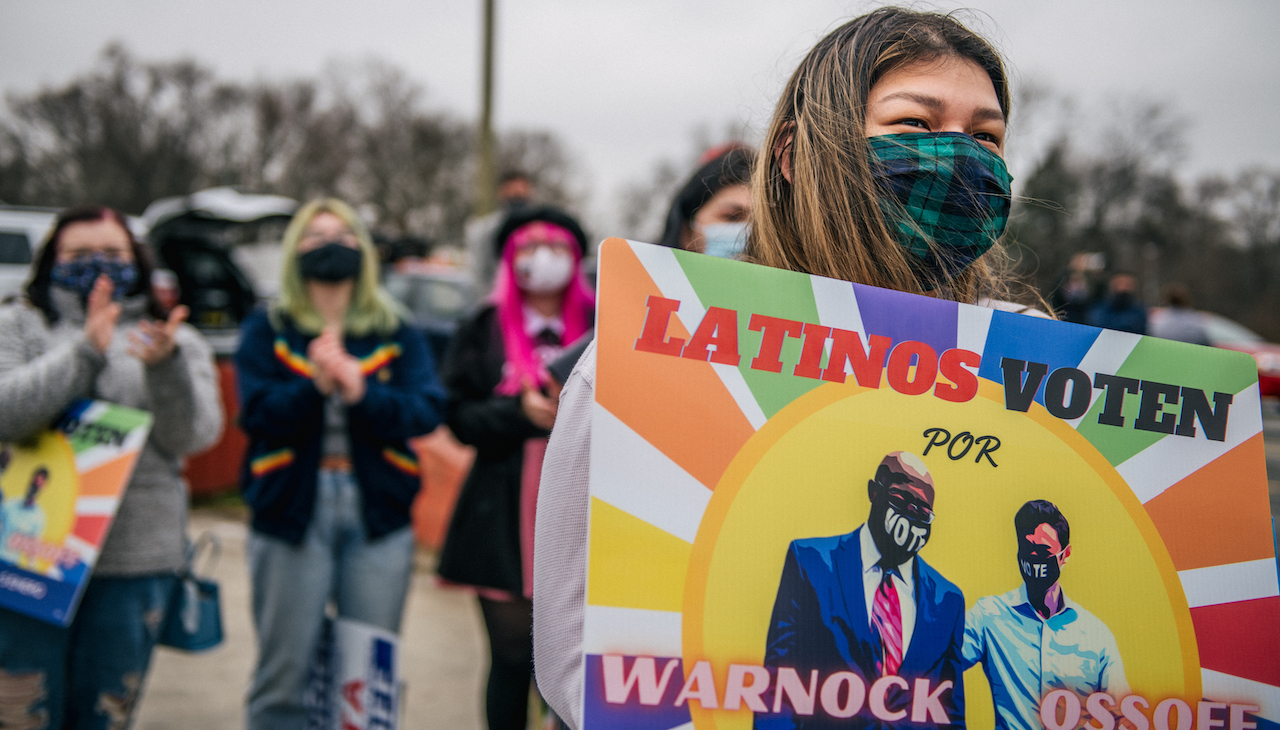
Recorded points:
(949, 80)
(102, 231)
(327, 220)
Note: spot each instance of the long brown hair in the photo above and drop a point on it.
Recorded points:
(827, 220)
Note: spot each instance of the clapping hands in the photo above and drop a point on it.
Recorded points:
(335, 368)
(101, 315)
(151, 342)
(154, 342)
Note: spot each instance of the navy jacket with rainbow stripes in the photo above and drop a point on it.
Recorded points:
(283, 415)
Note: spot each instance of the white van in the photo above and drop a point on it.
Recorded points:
(22, 230)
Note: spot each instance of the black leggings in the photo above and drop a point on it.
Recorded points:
(510, 628)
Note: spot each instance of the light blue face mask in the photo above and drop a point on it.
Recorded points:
(725, 240)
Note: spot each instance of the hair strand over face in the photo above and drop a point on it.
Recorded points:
(827, 219)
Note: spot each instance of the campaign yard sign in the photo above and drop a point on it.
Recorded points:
(819, 504)
(58, 496)
(354, 681)
(366, 676)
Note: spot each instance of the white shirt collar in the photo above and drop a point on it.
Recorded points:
(1021, 598)
(871, 556)
(535, 322)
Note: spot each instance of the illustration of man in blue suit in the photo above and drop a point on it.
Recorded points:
(865, 604)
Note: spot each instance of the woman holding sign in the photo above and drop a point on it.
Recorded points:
(91, 327)
(502, 402)
(848, 186)
(333, 383)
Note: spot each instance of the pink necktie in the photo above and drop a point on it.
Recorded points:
(886, 615)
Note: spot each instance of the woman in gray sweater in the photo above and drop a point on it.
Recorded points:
(91, 328)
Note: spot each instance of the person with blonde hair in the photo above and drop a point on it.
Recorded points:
(883, 165)
(333, 383)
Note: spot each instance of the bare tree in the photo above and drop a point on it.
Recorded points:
(1255, 203)
(541, 155)
(128, 132)
(1125, 199)
(644, 204)
(124, 134)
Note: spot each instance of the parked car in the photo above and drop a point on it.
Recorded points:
(224, 247)
(1230, 335)
(437, 300)
(22, 231)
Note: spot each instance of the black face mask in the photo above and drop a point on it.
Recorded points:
(897, 536)
(1039, 568)
(331, 261)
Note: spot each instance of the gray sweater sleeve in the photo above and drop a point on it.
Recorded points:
(34, 392)
(185, 398)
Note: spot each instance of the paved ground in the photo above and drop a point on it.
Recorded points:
(444, 651)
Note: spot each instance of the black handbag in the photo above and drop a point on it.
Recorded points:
(193, 618)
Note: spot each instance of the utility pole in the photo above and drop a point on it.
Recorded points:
(486, 197)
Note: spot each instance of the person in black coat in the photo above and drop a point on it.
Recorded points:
(502, 402)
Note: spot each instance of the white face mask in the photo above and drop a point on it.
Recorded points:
(545, 272)
(725, 240)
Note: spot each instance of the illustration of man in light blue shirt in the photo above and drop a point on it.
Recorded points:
(1035, 639)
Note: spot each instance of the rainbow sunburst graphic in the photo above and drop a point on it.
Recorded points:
(703, 472)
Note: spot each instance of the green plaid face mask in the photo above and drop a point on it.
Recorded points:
(944, 195)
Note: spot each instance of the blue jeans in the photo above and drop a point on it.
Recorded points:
(366, 580)
(88, 675)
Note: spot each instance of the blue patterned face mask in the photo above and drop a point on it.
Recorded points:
(79, 274)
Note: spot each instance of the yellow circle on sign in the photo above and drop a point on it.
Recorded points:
(805, 473)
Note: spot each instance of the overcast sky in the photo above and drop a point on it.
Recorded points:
(626, 83)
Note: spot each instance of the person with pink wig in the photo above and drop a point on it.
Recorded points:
(503, 402)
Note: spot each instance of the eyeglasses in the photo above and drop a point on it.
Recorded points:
(910, 506)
